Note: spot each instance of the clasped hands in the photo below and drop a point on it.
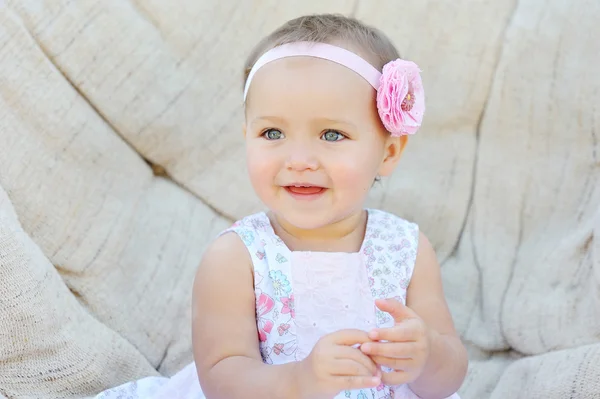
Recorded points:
(353, 359)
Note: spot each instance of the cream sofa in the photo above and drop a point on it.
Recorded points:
(121, 157)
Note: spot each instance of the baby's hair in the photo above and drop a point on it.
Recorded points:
(328, 28)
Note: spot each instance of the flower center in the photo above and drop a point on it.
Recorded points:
(408, 102)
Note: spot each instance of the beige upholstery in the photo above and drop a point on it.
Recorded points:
(97, 252)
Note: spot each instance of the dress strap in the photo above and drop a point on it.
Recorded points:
(270, 256)
(390, 252)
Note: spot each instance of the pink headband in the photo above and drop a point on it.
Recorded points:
(400, 96)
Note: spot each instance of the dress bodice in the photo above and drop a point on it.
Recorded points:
(302, 295)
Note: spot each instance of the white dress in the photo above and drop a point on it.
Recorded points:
(301, 296)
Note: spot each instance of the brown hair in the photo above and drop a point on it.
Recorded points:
(328, 28)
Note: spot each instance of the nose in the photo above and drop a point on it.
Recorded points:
(301, 158)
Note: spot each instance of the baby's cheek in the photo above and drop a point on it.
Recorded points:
(261, 171)
(353, 176)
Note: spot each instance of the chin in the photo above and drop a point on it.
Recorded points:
(300, 219)
(309, 220)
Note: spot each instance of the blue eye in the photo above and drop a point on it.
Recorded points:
(273, 134)
(332, 135)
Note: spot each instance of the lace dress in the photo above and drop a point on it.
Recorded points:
(301, 296)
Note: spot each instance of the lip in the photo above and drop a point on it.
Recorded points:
(305, 191)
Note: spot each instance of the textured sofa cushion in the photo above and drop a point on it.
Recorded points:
(107, 251)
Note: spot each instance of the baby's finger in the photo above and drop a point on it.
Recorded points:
(394, 363)
(399, 350)
(345, 367)
(348, 337)
(349, 383)
(396, 378)
(407, 331)
(346, 352)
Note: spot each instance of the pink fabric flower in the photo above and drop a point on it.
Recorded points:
(400, 98)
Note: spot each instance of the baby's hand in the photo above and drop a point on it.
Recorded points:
(335, 365)
(407, 349)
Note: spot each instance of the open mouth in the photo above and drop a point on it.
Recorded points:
(305, 191)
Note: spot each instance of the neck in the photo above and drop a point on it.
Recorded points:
(345, 235)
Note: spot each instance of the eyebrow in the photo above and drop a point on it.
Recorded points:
(268, 118)
(338, 122)
(282, 121)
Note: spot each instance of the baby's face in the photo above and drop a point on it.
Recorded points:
(314, 140)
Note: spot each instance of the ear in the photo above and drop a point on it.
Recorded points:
(394, 147)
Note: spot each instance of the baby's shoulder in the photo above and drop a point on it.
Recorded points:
(226, 249)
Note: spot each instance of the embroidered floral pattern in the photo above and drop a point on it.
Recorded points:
(283, 328)
(288, 306)
(264, 305)
(281, 284)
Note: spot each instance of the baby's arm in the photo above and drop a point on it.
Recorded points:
(225, 337)
(226, 348)
(446, 367)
